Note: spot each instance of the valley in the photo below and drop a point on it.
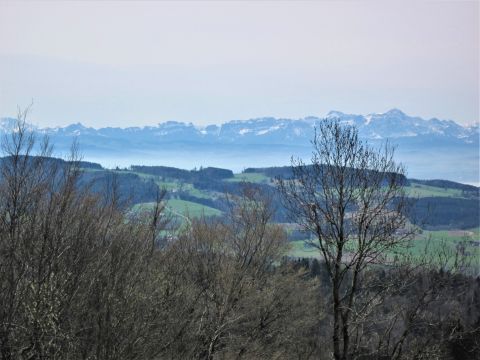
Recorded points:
(446, 212)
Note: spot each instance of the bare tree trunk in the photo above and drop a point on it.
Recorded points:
(337, 309)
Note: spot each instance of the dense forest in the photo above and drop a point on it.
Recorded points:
(84, 277)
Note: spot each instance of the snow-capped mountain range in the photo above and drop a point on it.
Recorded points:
(270, 141)
(392, 124)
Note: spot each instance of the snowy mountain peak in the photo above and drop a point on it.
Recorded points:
(391, 124)
(7, 124)
(334, 114)
(395, 113)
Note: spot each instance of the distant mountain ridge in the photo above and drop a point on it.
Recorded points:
(391, 124)
(271, 141)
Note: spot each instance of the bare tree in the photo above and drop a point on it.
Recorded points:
(244, 299)
(82, 277)
(75, 273)
(351, 198)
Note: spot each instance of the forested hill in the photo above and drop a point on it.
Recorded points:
(442, 204)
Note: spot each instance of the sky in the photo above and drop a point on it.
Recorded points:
(140, 63)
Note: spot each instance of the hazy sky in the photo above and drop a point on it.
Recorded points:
(136, 63)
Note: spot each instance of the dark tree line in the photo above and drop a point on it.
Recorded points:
(202, 174)
(447, 213)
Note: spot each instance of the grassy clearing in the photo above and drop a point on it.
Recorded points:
(476, 233)
(301, 249)
(91, 170)
(173, 185)
(450, 241)
(167, 185)
(250, 177)
(181, 208)
(190, 189)
(421, 190)
(446, 241)
(188, 208)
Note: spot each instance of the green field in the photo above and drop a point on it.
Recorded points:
(448, 241)
(250, 177)
(182, 208)
(167, 185)
(90, 170)
(445, 241)
(173, 185)
(437, 240)
(191, 209)
(300, 249)
(421, 190)
(203, 194)
(415, 189)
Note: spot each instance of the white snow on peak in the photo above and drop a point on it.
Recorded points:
(334, 114)
(244, 131)
(368, 119)
(266, 131)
